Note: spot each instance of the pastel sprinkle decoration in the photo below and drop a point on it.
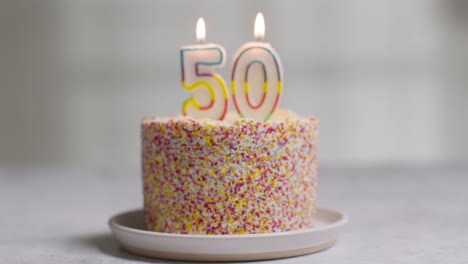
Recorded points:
(237, 176)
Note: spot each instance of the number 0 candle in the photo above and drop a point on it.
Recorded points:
(256, 77)
(209, 93)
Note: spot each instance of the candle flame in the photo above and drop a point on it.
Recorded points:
(259, 31)
(201, 31)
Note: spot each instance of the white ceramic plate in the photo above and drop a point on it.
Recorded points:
(129, 231)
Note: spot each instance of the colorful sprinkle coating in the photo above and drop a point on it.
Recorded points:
(236, 176)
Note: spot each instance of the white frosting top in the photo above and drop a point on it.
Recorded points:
(280, 115)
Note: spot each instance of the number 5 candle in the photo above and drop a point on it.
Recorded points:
(209, 93)
(256, 77)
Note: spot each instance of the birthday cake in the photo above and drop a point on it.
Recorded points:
(215, 173)
(235, 176)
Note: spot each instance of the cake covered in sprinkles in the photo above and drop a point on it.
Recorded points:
(236, 176)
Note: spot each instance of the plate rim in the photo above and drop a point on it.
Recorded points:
(344, 219)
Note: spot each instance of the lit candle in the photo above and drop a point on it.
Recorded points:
(209, 93)
(256, 77)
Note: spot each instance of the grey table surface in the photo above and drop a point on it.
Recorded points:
(397, 215)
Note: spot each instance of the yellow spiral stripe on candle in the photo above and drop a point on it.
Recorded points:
(265, 87)
(233, 89)
(222, 84)
(279, 87)
(192, 100)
